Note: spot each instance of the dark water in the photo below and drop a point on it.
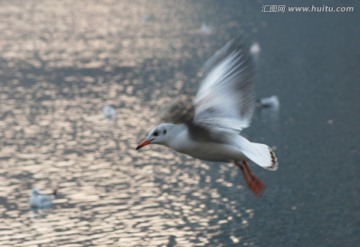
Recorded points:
(62, 62)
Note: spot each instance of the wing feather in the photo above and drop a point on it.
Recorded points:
(225, 98)
(224, 102)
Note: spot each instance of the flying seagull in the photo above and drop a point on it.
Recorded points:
(208, 126)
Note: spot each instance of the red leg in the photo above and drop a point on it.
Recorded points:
(244, 173)
(254, 184)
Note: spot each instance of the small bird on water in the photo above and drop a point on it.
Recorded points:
(208, 126)
(41, 201)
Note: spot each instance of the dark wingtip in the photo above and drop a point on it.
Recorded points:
(274, 161)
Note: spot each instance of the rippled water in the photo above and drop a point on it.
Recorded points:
(62, 62)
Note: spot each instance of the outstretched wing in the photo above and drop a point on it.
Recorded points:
(225, 99)
(224, 102)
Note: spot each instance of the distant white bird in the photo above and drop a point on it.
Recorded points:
(109, 112)
(41, 201)
(208, 126)
(206, 29)
(148, 18)
(269, 102)
(255, 50)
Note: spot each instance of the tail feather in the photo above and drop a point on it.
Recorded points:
(260, 154)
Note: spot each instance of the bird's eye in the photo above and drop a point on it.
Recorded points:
(156, 133)
(164, 132)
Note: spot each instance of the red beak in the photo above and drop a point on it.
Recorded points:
(143, 144)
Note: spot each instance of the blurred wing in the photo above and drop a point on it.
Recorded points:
(179, 111)
(225, 99)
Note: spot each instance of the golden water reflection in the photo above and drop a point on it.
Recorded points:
(60, 66)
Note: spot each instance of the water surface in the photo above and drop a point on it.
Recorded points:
(62, 62)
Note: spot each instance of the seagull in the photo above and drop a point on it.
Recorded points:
(255, 50)
(41, 201)
(109, 112)
(206, 29)
(269, 102)
(208, 125)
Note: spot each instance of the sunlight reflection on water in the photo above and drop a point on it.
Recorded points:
(68, 62)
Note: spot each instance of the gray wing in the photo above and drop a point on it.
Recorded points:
(181, 110)
(225, 99)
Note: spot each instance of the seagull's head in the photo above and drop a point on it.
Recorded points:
(158, 135)
(35, 192)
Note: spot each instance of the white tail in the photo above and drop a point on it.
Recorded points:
(260, 154)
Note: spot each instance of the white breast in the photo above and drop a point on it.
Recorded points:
(210, 151)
